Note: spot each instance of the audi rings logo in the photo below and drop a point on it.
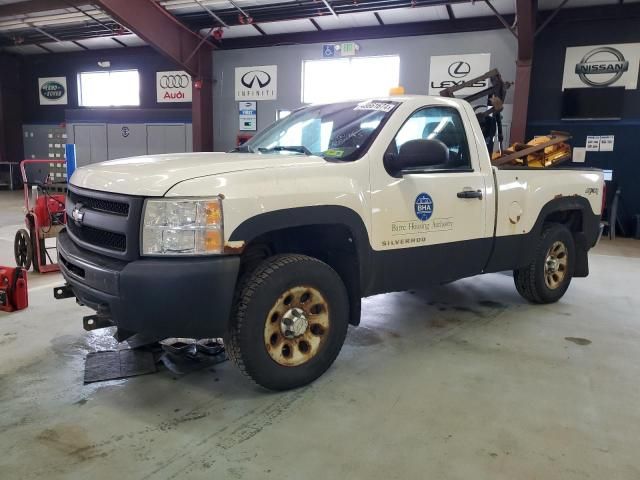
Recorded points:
(459, 69)
(599, 62)
(175, 81)
(255, 79)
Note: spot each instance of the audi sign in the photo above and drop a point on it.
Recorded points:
(173, 86)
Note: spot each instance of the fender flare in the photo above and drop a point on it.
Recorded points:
(264, 223)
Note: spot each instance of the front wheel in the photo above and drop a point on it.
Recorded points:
(289, 323)
(547, 277)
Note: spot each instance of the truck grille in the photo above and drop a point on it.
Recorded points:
(108, 206)
(110, 222)
(100, 238)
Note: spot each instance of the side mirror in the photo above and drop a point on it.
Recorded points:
(416, 154)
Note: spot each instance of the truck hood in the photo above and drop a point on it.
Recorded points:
(154, 175)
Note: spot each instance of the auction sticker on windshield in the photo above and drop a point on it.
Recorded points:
(376, 106)
(333, 152)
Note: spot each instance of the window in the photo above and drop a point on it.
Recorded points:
(437, 123)
(339, 79)
(338, 131)
(109, 89)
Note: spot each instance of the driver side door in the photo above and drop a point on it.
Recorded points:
(429, 223)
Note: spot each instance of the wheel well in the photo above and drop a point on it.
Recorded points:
(573, 220)
(333, 244)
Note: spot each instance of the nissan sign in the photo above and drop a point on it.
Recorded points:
(256, 83)
(602, 66)
(603, 72)
(173, 87)
(52, 90)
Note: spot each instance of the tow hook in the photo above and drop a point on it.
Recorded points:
(64, 291)
(93, 322)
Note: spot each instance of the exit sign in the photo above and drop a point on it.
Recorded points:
(348, 49)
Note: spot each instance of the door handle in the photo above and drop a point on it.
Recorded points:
(470, 194)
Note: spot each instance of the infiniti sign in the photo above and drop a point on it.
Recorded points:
(256, 83)
(602, 67)
(253, 77)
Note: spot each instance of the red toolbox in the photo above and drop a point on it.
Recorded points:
(13, 289)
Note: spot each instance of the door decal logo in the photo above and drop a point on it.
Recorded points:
(424, 207)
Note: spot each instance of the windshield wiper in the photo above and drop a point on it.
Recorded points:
(242, 149)
(287, 148)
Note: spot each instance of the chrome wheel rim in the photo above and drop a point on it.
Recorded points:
(555, 265)
(297, 326)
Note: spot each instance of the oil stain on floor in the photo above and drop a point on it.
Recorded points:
(578, 340)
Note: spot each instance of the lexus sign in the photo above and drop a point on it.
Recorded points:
(451, 70)
(256, 83)
(173, 86)
(602, 66)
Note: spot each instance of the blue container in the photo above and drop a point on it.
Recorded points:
(70, 153)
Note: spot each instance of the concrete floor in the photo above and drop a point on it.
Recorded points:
(465, 381)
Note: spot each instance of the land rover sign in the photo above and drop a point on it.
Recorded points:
(602, 66)
(53, 90)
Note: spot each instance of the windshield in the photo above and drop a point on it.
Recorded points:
(339, 131)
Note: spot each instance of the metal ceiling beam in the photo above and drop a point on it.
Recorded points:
(526, 11)
(315, 24)
(550, 17)
(329, 7)
(376, 31)
(211, 13)
(506, 24)
(450, 12)
(193, 53)
(35, 6)
(159, 29)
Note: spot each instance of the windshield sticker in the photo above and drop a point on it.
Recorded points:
(423, 207)
(376, 106)
(333, 152)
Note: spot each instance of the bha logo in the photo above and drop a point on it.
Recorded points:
(602, 67)
(424, 207)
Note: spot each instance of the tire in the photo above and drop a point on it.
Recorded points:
(542, 282)
(289, 322)
(23, 249)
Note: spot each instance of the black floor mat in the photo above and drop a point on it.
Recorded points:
(111, 365)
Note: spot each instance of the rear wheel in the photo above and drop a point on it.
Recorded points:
(23, 249)
(289, 322)
(547, 277)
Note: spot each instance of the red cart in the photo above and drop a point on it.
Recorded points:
(45, 215)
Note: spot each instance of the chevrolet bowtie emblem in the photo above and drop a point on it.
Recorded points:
(78, 213)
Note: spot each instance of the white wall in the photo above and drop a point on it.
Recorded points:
(414, 55)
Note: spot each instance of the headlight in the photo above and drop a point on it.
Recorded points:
(182, 227)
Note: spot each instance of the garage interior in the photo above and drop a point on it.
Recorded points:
(462, 380)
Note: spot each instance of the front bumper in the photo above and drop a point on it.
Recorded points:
(164, 297)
